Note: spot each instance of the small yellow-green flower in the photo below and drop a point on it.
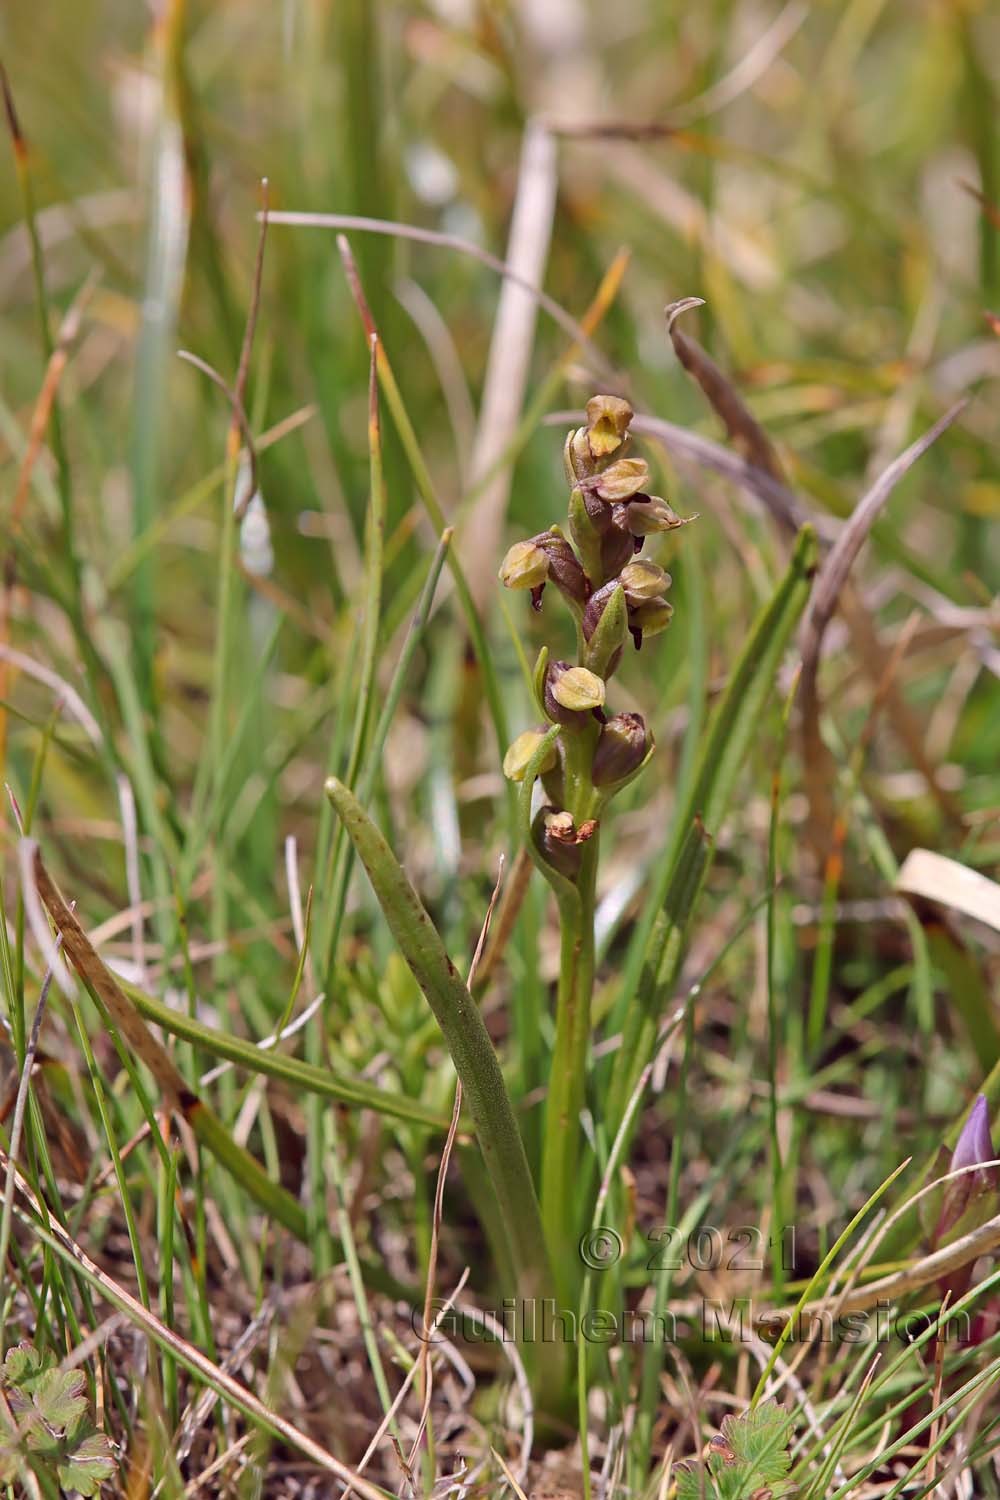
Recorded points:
(608, 419)
(578, 690)
(623, 479)
(518, 757)
(526, 566)
(650, 514)
(643, 580)
(650, 618)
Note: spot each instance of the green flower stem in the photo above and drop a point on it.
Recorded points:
(560, 1162)
(561, 1154)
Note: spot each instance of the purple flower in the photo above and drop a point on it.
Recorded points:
(974, 1144)
(973, 1147)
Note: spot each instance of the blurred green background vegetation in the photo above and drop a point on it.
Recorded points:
(825, 176)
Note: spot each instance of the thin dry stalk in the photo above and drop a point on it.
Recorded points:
(510, 349)
(742, 428)
(365, 225)
(820, 772)
(424, 1361)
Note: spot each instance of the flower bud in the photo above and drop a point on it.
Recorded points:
(531, 564)
(526, 566)
(974, 1146)
(605, 628)
(577, 457)
(622, 480)
(518, 757)
(649, 619)
(586, 532)
(621, 750)
(608, 419)
(648, 514)
(617, 548)
(564, 568)
(619, 520)
(643, 580)
(596, 606)
(967, 1203)
(560, 842)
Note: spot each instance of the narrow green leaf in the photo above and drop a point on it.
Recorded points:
(658, 946)
(465, 1034)
(816, 1281)
(291, 1070)
(737, 719)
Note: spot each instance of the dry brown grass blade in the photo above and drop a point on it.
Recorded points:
(747, 434)
(310, 623)
(190, 1356)
(961, 1252)
(510, 1478)
(85, 960)
(408, 1379)
(67, 336)
(936, 1404)
(243, 369)
(990, 210)
(742, 427)
(895, 1284)
(879, 666)
(834, 571)
(39, 890)
(937, 878)
(503, 925)
(240, 421)
(18, 141)
(820, 771)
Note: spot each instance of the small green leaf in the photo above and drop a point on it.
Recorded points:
(60, 1400)
(55, 1436)
(90, 1465)
(22, 1367)
(749, 1457)
(290, 1070)
(609, 636)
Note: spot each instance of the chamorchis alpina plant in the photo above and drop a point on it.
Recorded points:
(583, 755)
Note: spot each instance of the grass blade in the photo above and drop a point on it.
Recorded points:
(104, 989)
(658, 946)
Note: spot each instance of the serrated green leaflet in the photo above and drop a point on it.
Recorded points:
(748, 1456)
